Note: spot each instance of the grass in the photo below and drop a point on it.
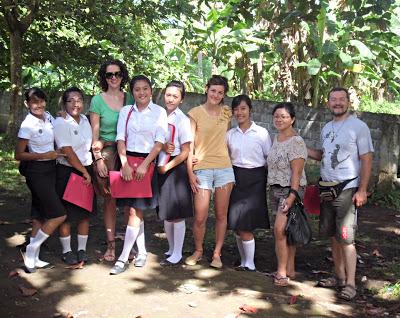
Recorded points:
(10, 179)
(390, 291)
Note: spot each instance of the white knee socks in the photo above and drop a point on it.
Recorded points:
(140, 241)
(38, 262)
(179, 229)
(82, 241)
(241, 251)
(33, 247)
(131, 235)
(169, 231)
(66, 244)
(249, 249)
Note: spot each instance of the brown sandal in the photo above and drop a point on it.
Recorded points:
(348, 293)
(281, 281)
(331, 282)
(109, 255)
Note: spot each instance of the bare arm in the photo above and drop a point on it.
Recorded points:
(315, 154)
(22, 155)
(296, 166)
(193, 180)
(126, 169)
(185, 148)
(144, 166)
(360, 197)
(74, 161)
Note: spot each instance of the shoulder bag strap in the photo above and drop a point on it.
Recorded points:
(126, 124)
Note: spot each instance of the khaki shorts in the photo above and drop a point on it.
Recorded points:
(276, 194)
(339, 217)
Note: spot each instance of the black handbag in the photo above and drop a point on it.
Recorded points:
(298, 231)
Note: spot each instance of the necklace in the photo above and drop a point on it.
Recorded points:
(333, 134)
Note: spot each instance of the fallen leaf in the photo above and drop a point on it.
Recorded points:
(319, 272)
(4, 222)
(76, 266)
(376, 253)
(293, 300)
(26, 221)
(375, 311)
(13, 273)
(248, 309)
(27, 292)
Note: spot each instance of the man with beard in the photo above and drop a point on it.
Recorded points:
(346, 161)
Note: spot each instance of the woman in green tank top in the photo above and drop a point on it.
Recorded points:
(104, 111)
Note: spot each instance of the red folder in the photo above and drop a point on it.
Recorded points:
(79, 193)
(132, 189)
(164, 157)
(311, 200)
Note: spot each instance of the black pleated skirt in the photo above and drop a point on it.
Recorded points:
(248, 202)
(41, 181)
(74, 212)
(175, 201)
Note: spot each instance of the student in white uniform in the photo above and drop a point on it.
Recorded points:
(248, 146)
(142, 135)
(175, 203)
(36, 133)
(73, 136)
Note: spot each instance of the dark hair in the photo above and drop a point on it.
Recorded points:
(218, 80)
(138, 78)
(339, 89)
(65, 95)
(241, 98)
(35, 91)
(289, 107)
(179, 85)
(101, 74)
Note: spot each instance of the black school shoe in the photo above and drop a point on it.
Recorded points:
(69, 258)
(82, 256)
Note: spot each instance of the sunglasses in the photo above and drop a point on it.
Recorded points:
(116, 74)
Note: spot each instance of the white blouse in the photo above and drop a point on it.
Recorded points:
(144, 127)
(38, 132)
(248, 149)
(183, 132)
(69, 133)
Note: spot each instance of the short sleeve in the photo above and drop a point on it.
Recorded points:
(266, 142)
(121, 123)
(364, 140)
(194, 113)
(162, 127)
(185, 132)
(95, 105)
(62, 133)
(297, 149)
(25, 132)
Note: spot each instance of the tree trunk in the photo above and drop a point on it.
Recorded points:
(16, 105)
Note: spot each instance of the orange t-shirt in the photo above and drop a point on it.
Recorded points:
(209, 141)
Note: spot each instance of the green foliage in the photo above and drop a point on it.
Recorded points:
(391, 291)
(389, 200)
(382, 107)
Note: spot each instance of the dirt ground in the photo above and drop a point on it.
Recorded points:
(193, 292)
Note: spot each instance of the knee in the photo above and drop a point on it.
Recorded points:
(221, 217)
(200, 221)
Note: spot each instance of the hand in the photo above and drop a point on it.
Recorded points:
(169, 147)
(97, 146)
(141, 171)
(50, 155)
(162, 169)
(88, 179)
(360, 198)
(127, 172)
(102, 168)
(286, 204)
(194, 182)
(195, 161)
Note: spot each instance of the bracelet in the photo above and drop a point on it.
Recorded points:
(101, 158)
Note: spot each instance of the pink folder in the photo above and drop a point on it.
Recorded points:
(163, 157)
(131, 189)
(311, 200)
(79, 193)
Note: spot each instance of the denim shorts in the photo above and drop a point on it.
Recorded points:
(214, 178)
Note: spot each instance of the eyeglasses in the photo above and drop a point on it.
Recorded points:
(110, 75)
(76, 101)
(281, 117)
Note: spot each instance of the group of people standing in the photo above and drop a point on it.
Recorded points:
(206, 157)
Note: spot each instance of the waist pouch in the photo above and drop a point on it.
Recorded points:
(329, 191)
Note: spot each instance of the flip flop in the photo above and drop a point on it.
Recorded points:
(281, 281)
(348, 293)
(109, 255)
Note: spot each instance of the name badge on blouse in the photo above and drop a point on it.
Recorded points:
(40, 131)
(75, 132)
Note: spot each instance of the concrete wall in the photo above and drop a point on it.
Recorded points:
(309, 122)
